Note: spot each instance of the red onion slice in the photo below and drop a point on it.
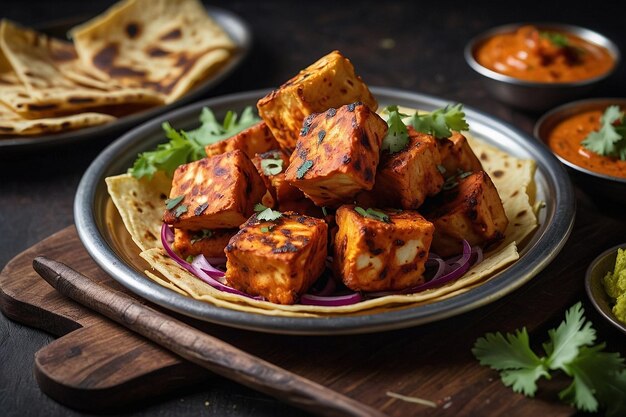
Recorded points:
(201, 268)
(335, 301)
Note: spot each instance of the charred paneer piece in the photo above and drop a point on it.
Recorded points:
(337, 154)
(470, 208)
(278, 260)
(271, 166)
(329, 82)
(214, 193)
(255, 139)
(404, 179)
(457, 155)
(210, 243)
(386, 250)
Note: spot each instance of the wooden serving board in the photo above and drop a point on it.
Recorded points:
(96, 363)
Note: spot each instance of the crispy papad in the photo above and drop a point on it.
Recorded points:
(54, 82)
(517, 176)
(164, 45)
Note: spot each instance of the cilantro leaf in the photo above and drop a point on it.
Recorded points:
(557, 39)
(567, 339)
(598, 378)
(266, 213)
(272, 166)
(302, 169)
(188, 146)
(397, 137)
(610, 140)
(441, 122)
(512, 354)
(372, 214)
(170, 203)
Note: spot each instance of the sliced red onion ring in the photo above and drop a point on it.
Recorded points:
(335, 301)
(200, 267)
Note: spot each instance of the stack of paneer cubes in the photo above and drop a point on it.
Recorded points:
(316, 157)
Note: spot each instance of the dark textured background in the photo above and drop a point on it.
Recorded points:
(417, 46)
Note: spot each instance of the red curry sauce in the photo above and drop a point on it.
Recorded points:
(530, 54)
(566, 137)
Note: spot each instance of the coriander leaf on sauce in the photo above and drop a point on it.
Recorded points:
(188, 146)
(610, 139)
(598, 377)
(372, 214)
(557, 39)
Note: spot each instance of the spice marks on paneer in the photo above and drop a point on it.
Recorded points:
(214, 193)
(278, 259)
(380, 250)
(329, 82)
(337, 154)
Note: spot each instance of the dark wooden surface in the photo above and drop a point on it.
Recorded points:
(411, 45)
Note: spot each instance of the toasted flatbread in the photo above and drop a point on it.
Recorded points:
(44, 65)
(163, 45)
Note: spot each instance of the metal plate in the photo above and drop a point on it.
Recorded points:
(232, 24)
(103, 242)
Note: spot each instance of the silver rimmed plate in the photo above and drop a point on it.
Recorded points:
(232, 24)
(105, 242)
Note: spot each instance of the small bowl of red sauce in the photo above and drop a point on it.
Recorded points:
(537, 66)
(582, 134)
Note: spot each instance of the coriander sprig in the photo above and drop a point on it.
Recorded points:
(266, 213)
(188, 146)
(439, 123)
(610, 140)
(599, 378)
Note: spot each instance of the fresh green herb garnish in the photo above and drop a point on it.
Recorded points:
(266, 213)
(599, 378)
(324, 211)
(180, 210)
(190, 258)
(557, 39)
(438, 123)
(202, 234)
(170, 203)
(397, 135)
(441, 122)
(267, 229)
(272, 166)
(373, 214)
(302, 169)
(610, 140)
(185, 147)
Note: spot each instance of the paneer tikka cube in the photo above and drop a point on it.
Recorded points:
(214, 193)
(271, 167)
(469, 208)
(372, 254)
(329, 82)
(256, 139)
(457, 155)
(405, 178)
(337, 154)
(210, 243)
(278, 260)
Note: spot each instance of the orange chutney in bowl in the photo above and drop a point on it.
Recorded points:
(549, 56)
(566, 137)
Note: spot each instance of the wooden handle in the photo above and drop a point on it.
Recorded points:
(198, 347)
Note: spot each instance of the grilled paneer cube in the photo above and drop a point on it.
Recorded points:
(404, 179)
(255, 139)
(278, 260)
(384, 250)
(214, 193)
(470, 208)
(337, 154)
(271, 166)
(210, 243)
(329, 82)
(457, 155)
